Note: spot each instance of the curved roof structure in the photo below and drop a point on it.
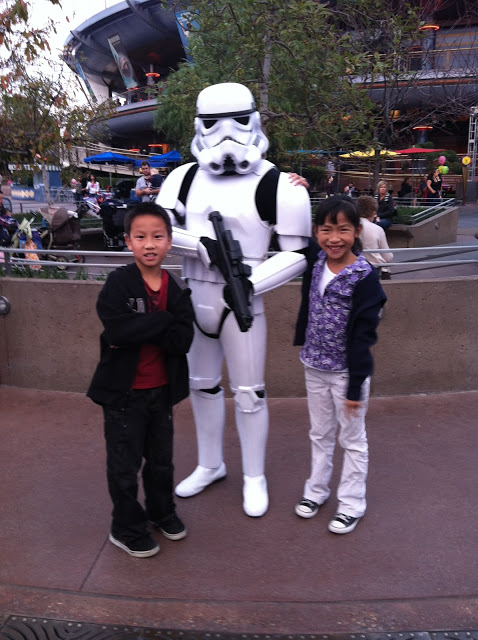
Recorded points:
(148, 33)
(114, 50)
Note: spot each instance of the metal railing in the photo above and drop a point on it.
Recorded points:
(60, 259)
(62, 194)
(438, 206)
(74, 260)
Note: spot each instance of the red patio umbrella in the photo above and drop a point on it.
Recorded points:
(417, 150)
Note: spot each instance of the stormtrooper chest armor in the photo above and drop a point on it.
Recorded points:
(234, 197)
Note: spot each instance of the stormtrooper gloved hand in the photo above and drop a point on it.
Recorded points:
(207, 249)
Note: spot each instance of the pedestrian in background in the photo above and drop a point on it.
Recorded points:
(406, 190)
(386, 206)
(434, 184)
(330, 187)
(92, 187)
(373, 237)
(144, 189)
(423, 187)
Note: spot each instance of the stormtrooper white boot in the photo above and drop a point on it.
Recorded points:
(252, 420)
(209, 416)
(199, 479)
(255, 497)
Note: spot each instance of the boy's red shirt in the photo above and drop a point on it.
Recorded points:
(151, 369)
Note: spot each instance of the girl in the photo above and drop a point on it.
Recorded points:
(341, 302)
(92, 187)
(434, 184)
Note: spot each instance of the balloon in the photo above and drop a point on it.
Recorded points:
(443, 169)
(442, 160)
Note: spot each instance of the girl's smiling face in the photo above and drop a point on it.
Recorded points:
(337, 240)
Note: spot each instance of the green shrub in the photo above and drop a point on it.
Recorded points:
(81, 274)
(314, 175)
(45, 273)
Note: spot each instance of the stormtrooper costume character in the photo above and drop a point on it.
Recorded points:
(256, 202)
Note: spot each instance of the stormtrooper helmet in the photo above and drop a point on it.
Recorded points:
(228, 136)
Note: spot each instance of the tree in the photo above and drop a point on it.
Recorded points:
(19, 40)
(296, 62)
(39, 121)
(354, 74)
(414, 78)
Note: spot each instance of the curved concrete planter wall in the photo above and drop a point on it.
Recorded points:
(427, 343)
(435, 231)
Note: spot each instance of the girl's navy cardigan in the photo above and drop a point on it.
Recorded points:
(367, 301)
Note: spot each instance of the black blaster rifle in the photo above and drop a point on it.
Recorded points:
(228, 258)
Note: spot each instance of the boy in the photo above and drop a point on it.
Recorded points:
(148, 328)
(155, 181)
(373, 236)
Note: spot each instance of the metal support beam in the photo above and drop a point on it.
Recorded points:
(472, 142)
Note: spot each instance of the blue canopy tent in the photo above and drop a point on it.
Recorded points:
(171, 156)
(109, 158)
(161, 160)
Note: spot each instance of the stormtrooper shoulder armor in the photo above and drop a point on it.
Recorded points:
(294, 217)
(169, 196)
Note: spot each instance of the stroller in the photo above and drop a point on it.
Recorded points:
(61, 230)
(8, 228)
(20, 235)
(112, 213)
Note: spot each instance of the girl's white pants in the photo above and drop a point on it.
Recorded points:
(326, 394)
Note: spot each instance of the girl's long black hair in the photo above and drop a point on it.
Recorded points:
(331, 207)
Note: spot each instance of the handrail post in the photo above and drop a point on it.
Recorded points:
(8, 264)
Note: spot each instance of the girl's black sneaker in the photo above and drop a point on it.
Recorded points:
(306, 508)
(341, 523)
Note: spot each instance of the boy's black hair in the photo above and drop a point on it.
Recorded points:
(146, 209)
(331, 207)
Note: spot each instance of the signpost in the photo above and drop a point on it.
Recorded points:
(465, 161)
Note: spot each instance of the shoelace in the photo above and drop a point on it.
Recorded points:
(341, 517)
(308, 503)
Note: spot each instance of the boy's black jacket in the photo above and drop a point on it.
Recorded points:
(122, 308)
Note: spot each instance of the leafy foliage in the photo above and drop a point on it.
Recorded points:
(325, 75)
(39, 117)
(39, 120)
(295, 59)
(20, 42)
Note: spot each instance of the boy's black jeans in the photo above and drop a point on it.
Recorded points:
(143, 429)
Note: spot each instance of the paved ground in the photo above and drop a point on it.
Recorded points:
(409, 570)
(411, 565)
